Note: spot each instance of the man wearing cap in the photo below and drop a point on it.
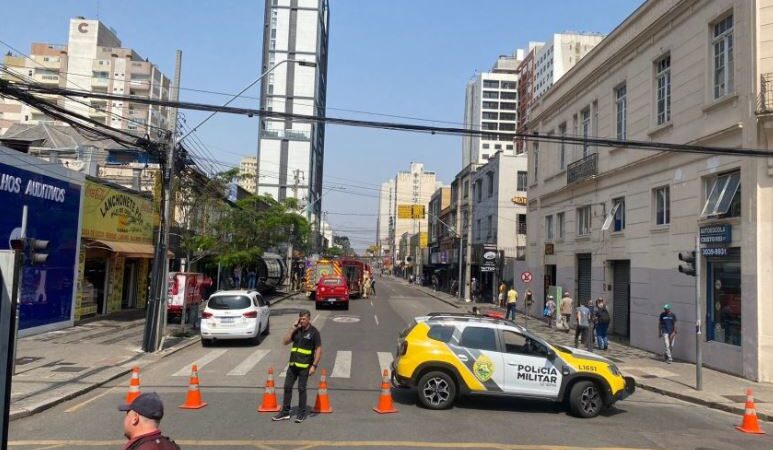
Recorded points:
(667, 330)
(140, 426)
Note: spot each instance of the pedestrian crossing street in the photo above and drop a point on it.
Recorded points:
(258, 361)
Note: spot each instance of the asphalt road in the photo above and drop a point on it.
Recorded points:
(357, 343)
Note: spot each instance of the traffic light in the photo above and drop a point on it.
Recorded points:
(689, 259)
(37, 250)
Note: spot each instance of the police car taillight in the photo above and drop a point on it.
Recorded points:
(404, 348)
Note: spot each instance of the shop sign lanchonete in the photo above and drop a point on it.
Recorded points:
(109, 213)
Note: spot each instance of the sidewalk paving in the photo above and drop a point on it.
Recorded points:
(720, 390)
(59, 365)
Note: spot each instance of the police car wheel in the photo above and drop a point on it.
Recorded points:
(436, 390)
(585, 400)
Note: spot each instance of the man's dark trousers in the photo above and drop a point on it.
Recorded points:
(302, 375)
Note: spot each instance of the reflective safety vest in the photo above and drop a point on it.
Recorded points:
(302, 351)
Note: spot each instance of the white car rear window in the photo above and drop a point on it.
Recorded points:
(229, 302)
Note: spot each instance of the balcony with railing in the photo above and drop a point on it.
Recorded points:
(765, 101)
(582, 169)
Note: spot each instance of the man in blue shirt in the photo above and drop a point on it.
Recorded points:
(667, 330)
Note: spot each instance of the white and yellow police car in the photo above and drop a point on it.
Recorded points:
(445, 355)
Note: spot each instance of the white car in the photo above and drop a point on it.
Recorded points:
(234, 315)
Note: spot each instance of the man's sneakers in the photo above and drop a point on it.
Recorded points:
(283, 415)
(300, 417)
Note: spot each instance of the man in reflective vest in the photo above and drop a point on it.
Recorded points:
(304, 358)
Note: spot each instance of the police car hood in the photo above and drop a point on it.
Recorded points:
(584, 354)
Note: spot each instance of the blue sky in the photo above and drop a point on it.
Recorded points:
(407, 58)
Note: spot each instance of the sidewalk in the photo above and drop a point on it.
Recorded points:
(720, 390)
(60, 365)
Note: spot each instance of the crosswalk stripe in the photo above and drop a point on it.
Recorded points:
(343, 365)
(384, 361)
(249, 363)
(201, 362)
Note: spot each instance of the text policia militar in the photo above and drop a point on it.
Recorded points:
(544, 375)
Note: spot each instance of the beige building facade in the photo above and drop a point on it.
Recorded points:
(93, 60)
(248, 169)
(610, 221)
(412, 187)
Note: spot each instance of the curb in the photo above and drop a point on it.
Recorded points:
(42, 406)
(699, 401)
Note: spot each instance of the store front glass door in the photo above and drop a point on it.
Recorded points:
(724, 299)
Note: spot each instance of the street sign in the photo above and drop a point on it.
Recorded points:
(716, 234)
(410, 211)
(526, 277)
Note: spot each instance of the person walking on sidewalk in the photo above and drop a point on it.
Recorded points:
(502, 294)
(140, 425)
(567, 304)
(667, 331)
(512, 301)
(583, 326)
(550, 311)
(601, 318)
(304, 358)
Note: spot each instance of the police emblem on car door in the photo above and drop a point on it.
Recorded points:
(527, 368)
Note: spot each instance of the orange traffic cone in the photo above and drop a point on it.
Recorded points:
(322, 404)
(385, 405)
(193, 399)
(269, 396)
(750, 423)
(134, 386)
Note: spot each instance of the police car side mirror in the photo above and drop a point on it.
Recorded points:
(551, 355)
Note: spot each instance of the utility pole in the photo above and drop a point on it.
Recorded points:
(698, 347)
(156, 317)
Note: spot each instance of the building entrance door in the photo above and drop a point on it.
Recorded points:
(584, 278)
(621, 298)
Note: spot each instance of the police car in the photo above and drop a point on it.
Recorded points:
(445, 355)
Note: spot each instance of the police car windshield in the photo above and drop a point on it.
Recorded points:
(229, 302)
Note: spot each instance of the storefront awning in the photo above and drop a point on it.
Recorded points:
(130, 249)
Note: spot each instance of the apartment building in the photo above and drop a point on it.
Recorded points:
(295, 54)
(610, 221)
(527, 72)
(413, 188)
(248, 170)
(93, 60)
(385, 221)
(559, 54)
(491, 104)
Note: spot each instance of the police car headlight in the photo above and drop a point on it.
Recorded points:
(615, 371)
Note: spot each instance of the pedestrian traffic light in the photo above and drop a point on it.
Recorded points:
(37, 250)
(689, 259)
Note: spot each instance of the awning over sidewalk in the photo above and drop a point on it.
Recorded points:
(130, 249)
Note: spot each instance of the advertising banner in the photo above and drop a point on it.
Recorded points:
(53, 209)
(115, 215)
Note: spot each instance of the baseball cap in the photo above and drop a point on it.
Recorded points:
(667, 306)
(147, 405)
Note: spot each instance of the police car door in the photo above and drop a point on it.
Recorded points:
(528, 371)
(477, 349)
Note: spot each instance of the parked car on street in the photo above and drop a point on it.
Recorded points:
(332, 290)
(236, 314)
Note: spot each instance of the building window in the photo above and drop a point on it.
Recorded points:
(508, 147)
(488, 126)
(507, 126)
(484, 156)
(536, 161)
(508, 95)
(507, 106)
(490, 226)
(485, 146)
(560, 225)
(722, 43)
(466, 188)
(506, 116)
(618, 214)
(491, 84)
(477, 230)
(583, 221)
(662, 205)
(622, 106)
(490, 179)
(509, 85)
(498, 147)
(663, 89)
(522, 181)
(521, 224)
(723, 196)
(490, 94)
(585, 117)
(549, 228)
(479, 190)
(490, 105)
(562, 147)
(490, 115)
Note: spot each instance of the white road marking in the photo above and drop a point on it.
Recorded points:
(384, 361)
(371, 303)
(82, 404)
(343, 365)
(315, 318)
(376, 317)
(249, 362)
(201, 362)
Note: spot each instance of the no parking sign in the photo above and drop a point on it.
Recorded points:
(526, 277)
